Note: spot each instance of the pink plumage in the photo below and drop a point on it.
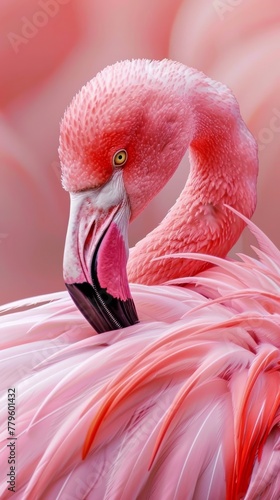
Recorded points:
(185, 403)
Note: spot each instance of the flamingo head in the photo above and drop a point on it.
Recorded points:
(121, 139)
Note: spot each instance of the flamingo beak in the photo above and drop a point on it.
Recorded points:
(95, 257)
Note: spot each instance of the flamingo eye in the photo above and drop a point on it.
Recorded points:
(120, 158)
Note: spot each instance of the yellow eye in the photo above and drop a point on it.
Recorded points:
(120, 158)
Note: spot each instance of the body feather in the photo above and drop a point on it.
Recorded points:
(185, 404)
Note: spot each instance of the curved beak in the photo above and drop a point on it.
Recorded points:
(95, 257)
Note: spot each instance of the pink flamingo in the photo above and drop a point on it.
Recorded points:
(184, 403)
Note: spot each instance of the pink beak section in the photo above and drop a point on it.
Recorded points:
(111, 264)
(95, 258)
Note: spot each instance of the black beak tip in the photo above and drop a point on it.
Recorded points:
(103, 311)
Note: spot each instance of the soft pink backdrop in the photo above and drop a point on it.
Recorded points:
(50, 48)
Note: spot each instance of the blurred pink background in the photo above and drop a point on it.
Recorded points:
(50, 48)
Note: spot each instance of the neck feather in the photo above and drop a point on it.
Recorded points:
(223, 170)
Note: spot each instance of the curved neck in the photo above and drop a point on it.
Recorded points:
(223, 170)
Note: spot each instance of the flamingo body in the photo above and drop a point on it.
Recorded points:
(195, 392)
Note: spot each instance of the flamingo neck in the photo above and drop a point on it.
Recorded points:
(223, 170)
